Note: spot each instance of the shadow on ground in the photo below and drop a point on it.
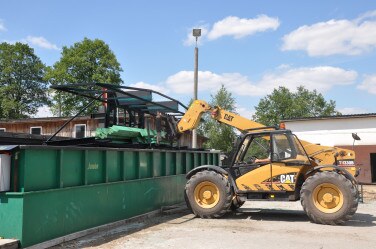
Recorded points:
(98, 239)
(268, 214)
(362, 220)
(358, 220)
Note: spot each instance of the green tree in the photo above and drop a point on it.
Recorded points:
(221, 136)
(88, 61)
(283, 104)
(22, 88)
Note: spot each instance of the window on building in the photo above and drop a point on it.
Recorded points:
(37, 130)
(373, 167)
(80, 130)
(3, 130)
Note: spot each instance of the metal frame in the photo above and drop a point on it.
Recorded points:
(113, 89)
(67, 122)
(138, 104)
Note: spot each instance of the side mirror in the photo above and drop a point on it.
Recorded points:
(275, 157)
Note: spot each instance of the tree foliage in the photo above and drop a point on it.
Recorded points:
(283, 104)
(22, 88)
(88, 61)
(221, 136)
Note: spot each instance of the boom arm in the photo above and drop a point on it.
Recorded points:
(323, 155)
(192, 117)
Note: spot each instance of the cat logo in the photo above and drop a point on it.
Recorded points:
(228, 117)
(287, 178)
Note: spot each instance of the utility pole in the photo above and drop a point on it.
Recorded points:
(59, 104)
(196, 33)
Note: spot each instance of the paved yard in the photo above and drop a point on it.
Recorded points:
(256, 225)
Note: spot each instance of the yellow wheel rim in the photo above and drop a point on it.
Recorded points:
(206, 194)
(328, 198)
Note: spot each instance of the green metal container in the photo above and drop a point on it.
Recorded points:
(56, 191)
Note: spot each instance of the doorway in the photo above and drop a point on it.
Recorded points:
(373, 167)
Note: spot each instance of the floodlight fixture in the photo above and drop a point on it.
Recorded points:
(196, 33)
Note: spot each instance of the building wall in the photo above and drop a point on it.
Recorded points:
(332, 132)
(50, 126)
(337, 132)
(363, 161)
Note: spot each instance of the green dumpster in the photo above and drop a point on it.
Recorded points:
(56, 191)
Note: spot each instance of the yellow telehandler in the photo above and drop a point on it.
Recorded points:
(268, 163)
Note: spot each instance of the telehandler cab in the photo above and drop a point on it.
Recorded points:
(321, 177)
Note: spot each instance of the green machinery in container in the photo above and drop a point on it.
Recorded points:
(136, 135)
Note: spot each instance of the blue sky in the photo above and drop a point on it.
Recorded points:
(250, 47)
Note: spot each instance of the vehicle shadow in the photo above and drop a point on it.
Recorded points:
(362, 220)
(358, 220)
(268, 215)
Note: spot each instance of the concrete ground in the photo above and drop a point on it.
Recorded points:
(255, 225)
(9, 243)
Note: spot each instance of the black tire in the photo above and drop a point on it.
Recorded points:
(187, 201)
(236, 203)
(340, 213)
(223, 202)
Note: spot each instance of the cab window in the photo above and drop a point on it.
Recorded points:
(259, 148)
(287, 148)
(254, 147)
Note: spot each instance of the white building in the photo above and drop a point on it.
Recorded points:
(337, 131)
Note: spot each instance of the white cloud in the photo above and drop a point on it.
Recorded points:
(369, 84)
(366, 15)
(321, 79)
(157, 88)
(34, 41)
(235, 27)
(182, 82)
(241, 27)
(2, 26)
(43, 112)
(348, 37)
(245, 112)
(352, 110)
(41, 42)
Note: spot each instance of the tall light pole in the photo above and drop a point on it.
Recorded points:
(196, 33)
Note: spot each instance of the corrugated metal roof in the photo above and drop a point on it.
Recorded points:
(348, 116)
